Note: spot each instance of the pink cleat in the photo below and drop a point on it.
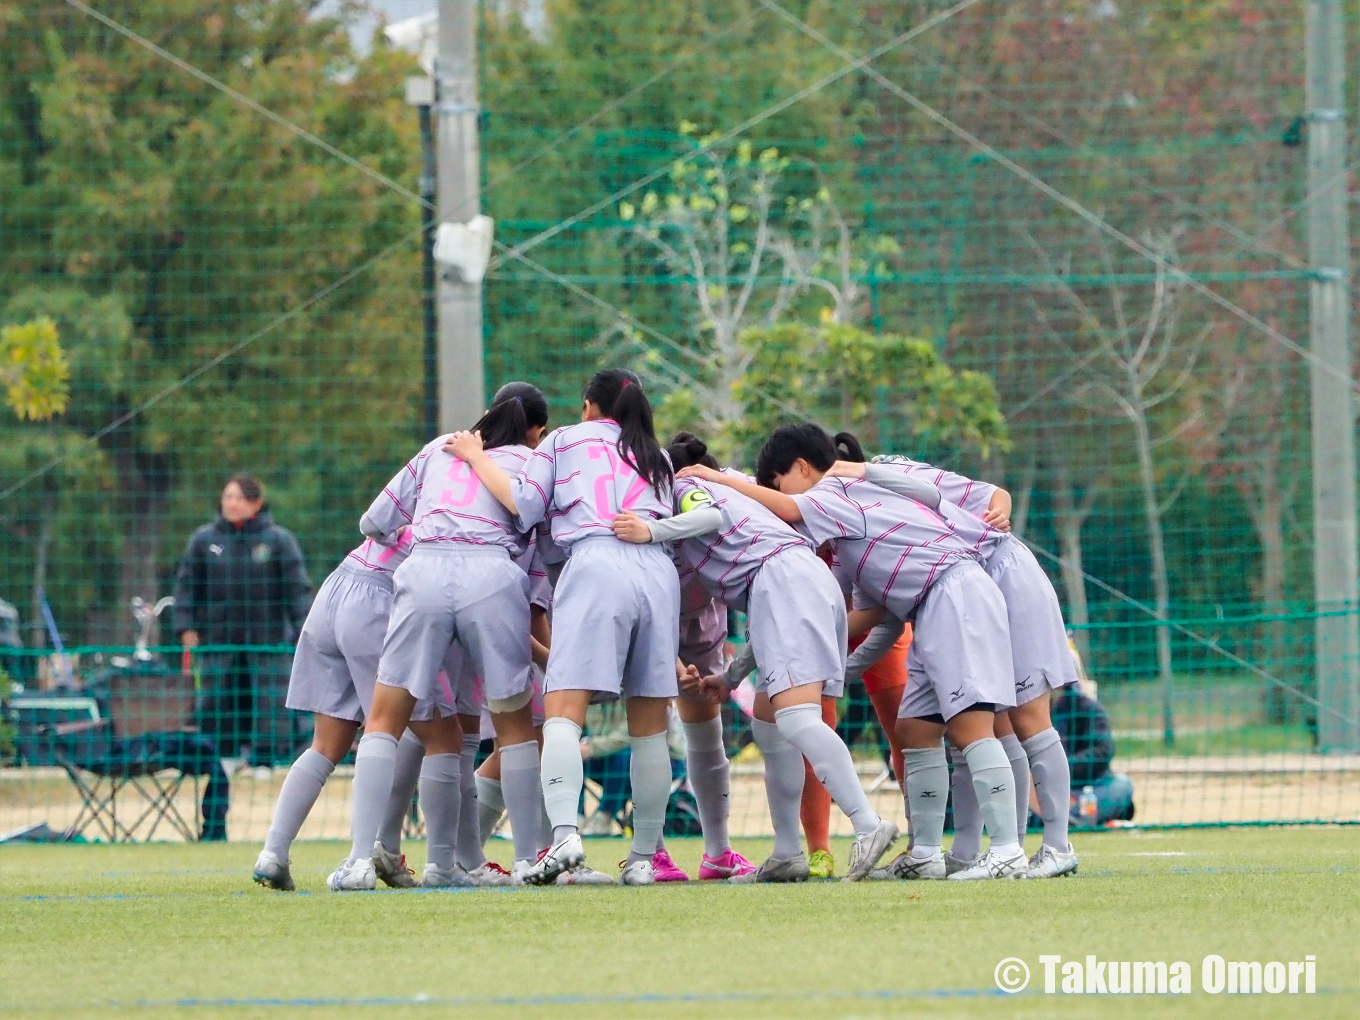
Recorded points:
(729, 865)
(665, 868)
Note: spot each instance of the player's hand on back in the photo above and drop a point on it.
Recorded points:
(629, 527)
(464, 445)
(702, 471)
(846, 469)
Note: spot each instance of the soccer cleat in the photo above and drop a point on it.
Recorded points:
(729, 865)
(353, 876)
(953, 864)
(436, 877)
(392, 868)
(1046, 863)
(868, 848)
(821, 864)
(556, 859)
(584, 875)
(991, 865)
(666, 869)
(489, 874)
(776, 869)
(638, 873)
(274, 873)
(905, 867)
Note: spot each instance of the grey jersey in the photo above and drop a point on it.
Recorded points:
(380, 560)
(893, 548)
(577, 480)
(726, 561)
(968, 493)
(443, 501)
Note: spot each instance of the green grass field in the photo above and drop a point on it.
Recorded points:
(169, 930)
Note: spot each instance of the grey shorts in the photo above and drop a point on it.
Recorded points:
(488, 728)
(796, 619)
(616, 622)
(960, 651)
(1039, 651)
(474, 595)
(464, 685)
(336, 661)
(702, 636)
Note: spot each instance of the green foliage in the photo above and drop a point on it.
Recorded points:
(888, 389)
(33, 369)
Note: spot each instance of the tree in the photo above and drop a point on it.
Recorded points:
(33, 369)
(895, 392)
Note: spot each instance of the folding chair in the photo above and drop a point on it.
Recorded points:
(104, 756)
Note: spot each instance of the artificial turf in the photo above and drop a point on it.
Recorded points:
(168, 929)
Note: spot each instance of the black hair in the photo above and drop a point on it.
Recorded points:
(618, 394)
(787, 444)
(250, 486)
(516, 408)
(848, 448)
(687, 449)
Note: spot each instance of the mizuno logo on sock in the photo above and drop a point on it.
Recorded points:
(554, 781)
(999, 789)
(927, 794)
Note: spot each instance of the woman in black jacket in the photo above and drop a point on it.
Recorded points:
(241, 581)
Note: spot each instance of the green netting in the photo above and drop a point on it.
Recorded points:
(232, 296)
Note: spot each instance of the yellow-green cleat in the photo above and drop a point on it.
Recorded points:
(821, 864)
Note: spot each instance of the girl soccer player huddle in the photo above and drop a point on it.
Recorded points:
(635, 553)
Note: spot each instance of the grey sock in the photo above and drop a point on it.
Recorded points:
(709, 776)
(928, 790)
(301, 787)
(650, 773)
(1052, 783)
(490, 806)
(374, 763)
(441, 793)
(994, 783)
(523, 794)
(1010, 743)
(967, 817)
(469, 848)
(561, 774)
(405, 775)
(802, 726)
(783, 786)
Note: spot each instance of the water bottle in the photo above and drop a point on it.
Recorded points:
(1087, 807)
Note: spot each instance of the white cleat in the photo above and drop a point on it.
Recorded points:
(905, 867)
(489, 875)
(868, 848)
(556, 859)
(776, 869)
(638, 873)
(1050, 863)
(392, 869)
(436, 877)
(953, 864)
(272, 872)
(353, 876)
(991, 865)
(584, 875)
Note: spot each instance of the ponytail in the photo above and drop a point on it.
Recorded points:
(687, 449)
(618, 394)
(516, 408)
(848, 448)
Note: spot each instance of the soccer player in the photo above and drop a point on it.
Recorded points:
(1042, 663)
(616, 609)
(913, 561)
(460, 583)
(334, 670)
(749, 559)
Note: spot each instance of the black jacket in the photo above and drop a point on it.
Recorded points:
(1084, 729)
(245, 585)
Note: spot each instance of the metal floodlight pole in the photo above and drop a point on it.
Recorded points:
(461, 391)
(420, 94)
(1337, 654)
